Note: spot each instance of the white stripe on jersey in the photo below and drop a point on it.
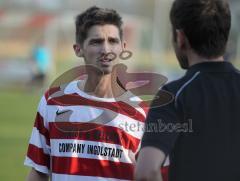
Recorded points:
(39, 140)
(40, 168)
(85, 153)
(127, 97)
(86, 113)
(131, 126)
(64, 177)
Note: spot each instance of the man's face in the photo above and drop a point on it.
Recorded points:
(181, 56)
(101, 40)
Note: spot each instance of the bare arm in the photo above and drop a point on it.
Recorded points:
(37, 176)
(149, 161)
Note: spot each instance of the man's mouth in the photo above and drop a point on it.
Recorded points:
(107, 57)
(105, 60)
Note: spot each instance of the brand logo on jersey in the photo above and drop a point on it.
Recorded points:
(61, 112)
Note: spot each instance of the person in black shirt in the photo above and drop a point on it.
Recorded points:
(200, 128)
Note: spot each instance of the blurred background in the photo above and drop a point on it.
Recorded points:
(36, 38)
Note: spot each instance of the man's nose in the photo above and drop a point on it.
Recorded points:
(105, 48)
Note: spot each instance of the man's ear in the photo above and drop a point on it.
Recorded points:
(181, 39)
(78, 50)
(124, 45)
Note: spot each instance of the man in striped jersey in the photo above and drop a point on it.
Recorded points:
(78, 132)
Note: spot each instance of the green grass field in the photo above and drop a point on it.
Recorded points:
(17, 117)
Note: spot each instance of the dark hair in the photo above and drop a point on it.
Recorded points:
(96, 16)
(206, 24)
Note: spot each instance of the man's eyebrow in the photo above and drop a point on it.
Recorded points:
(113, 38)
(96, 39)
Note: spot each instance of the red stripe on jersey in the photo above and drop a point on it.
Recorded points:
(118, 107)
(100, 133)
(39, 124)
(145, 107)
(50, 91)
(38, 156)
(92, 167)
(164, 171)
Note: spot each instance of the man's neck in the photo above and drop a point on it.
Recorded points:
(104, 86)
(195, 59)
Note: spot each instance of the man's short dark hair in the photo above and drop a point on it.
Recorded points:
(96, 16)
(206, 23)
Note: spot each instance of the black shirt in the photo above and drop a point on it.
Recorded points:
(200, 128)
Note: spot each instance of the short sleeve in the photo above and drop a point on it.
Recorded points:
(38, 154)
(161, 126)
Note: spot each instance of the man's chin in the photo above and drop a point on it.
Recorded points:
(106, 70)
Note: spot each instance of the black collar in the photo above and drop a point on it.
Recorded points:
(212, 67)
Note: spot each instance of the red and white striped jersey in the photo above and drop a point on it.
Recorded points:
(77, 136)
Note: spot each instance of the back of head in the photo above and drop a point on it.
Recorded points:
(96, 16)
(206, 24)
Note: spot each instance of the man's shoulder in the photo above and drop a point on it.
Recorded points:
(51, 91)
(176, 85)
(61, 90)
